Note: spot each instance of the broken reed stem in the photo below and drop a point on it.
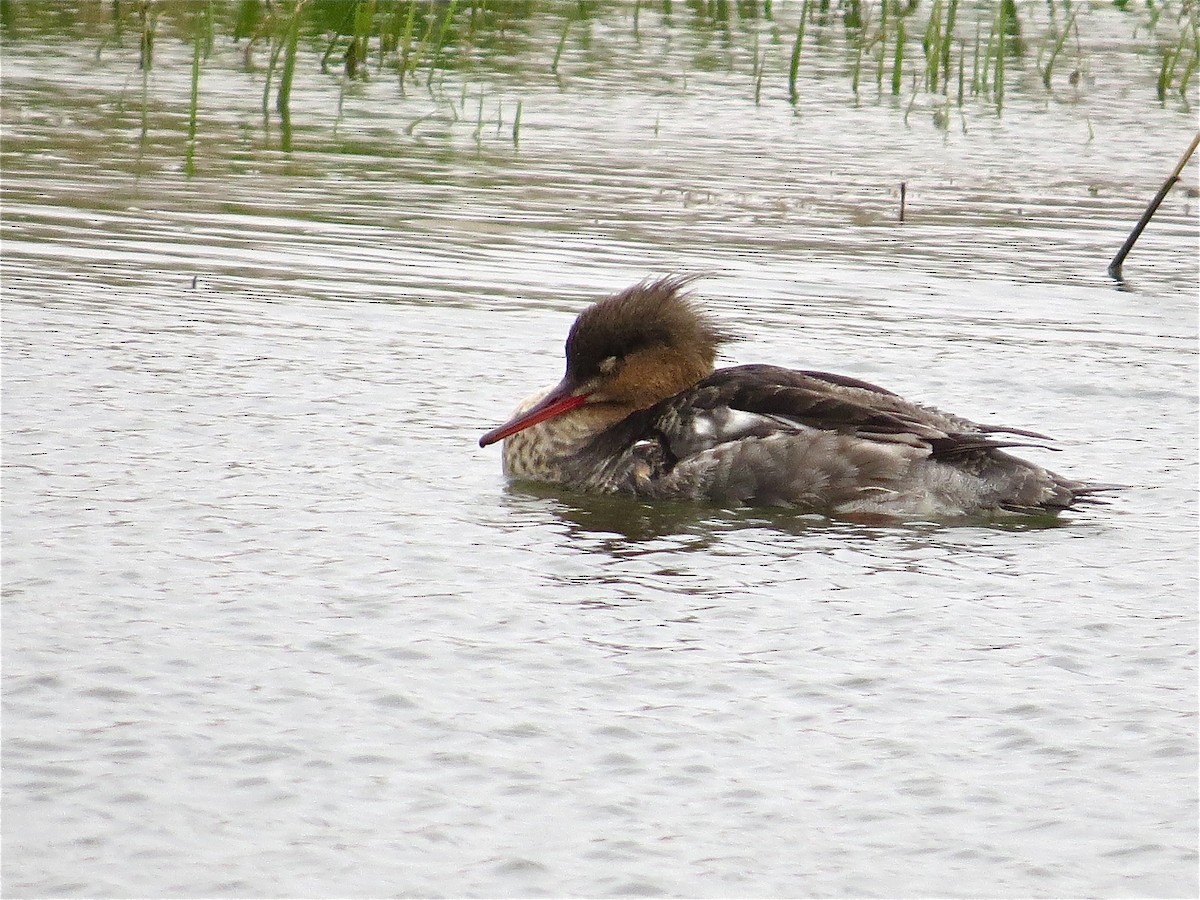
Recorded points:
(1114, 267)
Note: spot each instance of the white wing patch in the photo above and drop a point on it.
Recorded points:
(709, 428)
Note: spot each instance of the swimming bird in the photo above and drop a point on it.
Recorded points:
(640, 410)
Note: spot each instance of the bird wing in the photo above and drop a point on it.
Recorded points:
(765, 435)
(837, 403)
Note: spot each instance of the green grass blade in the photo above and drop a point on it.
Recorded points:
(291, 40)
(441, 42)
(562, 41)
(1048, 71)
(794, 67)
(947, 39)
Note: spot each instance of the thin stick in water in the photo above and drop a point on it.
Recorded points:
(1114, 267)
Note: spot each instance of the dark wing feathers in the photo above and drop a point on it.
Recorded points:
(730, 436)
(828, 411)
(837, 403)
(779, 399)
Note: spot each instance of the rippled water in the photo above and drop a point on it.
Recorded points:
(275, 626)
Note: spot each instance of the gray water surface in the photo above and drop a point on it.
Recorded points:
(274, 625)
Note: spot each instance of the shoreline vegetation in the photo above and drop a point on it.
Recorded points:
(949, 55)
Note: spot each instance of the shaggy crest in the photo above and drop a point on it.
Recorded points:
(653, 314)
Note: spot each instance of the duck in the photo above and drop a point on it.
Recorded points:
(642, 410)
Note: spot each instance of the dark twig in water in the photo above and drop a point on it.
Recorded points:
(1114, 267)
(903, 194)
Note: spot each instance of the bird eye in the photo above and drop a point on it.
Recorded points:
(608, 365)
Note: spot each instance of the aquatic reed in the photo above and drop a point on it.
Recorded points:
(1060, 38)
(757, 71)
(1001, 54)
(898, 59)
(202, 41)
(932, 44)
(562, 42)
(405, 43)
(148, 14)
(797, 47)
(447, 19)
(290, 43)
(1114, 267)
(427, 40)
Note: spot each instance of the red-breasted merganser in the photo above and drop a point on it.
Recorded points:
(641, 411)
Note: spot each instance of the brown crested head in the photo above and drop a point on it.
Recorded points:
(643, 344)
(626, 353)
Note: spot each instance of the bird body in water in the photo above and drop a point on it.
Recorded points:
(641, 411)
